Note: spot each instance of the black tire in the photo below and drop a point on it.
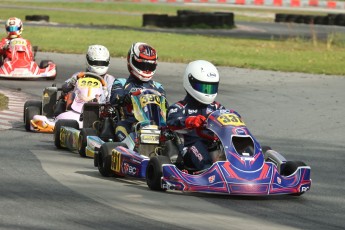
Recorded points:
(265, 148)
(37, 18)
(29, 113)
(82, 141)
(154, 172)
(37, 104)
(290, 167)
(57, 129)
(44, 64)
(104, 158)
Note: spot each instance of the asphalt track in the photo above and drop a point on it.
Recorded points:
(300, 115)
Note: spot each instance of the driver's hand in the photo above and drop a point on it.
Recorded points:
(81, 75)
(195, 121)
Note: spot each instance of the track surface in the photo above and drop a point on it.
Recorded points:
(299, 115)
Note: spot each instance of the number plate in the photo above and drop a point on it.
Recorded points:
(149, 139)
(230, 119)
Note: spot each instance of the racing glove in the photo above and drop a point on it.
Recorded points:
(194, 121)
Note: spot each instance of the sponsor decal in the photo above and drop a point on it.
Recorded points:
(240, 132)
(304, 188)
(129, 169)
(196, 153)
(211, 75)
(172, 110)
(279, 180)
(191, 111)
(212, 178)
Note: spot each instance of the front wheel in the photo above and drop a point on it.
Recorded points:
(29, 113)
(57, 130)
(104, 158)
(37, 104)
(154, 172)
(82, 141)
(290, 167)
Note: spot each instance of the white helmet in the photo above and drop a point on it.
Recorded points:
(14, 27)
(97, 59)
(142, 61)
(201, 80)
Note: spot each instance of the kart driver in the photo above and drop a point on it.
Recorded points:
(97, 61)
(141, 63)
(14, 29)
(200, 80)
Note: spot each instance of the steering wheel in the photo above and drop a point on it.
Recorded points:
(92, 75)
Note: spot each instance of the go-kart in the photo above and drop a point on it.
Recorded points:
(98, 120)
(130, 157)
(243, 167)
(41, 116)
(21, 64)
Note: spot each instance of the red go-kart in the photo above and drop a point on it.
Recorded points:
(21, 65)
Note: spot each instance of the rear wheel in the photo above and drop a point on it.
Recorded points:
(29, 113)
(57, 130)
(104, 158)
(154, 172)
(82, 141)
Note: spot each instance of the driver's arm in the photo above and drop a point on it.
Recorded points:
(176, 118)
(117, 92)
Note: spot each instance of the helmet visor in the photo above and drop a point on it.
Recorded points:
(143, 65)
(98, 63)
(13, 28)
(203, 87)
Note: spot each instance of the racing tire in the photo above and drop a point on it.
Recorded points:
(37, 104)
(37, 18)
(290, 167)
(154, 172)
(57, 130)
(44, 64)
(104, 158)
(82, 140)
(29, 113)
(265, 148)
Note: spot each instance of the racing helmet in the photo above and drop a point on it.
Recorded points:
(201, 80)
(97, 59)
(142, 61)
(14, 27)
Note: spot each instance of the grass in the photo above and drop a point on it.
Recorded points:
(292, 55)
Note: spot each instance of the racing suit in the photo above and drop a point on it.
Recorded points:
(120, 89)
(195, 148)
(6, 53)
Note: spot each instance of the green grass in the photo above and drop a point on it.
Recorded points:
(295, 55)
